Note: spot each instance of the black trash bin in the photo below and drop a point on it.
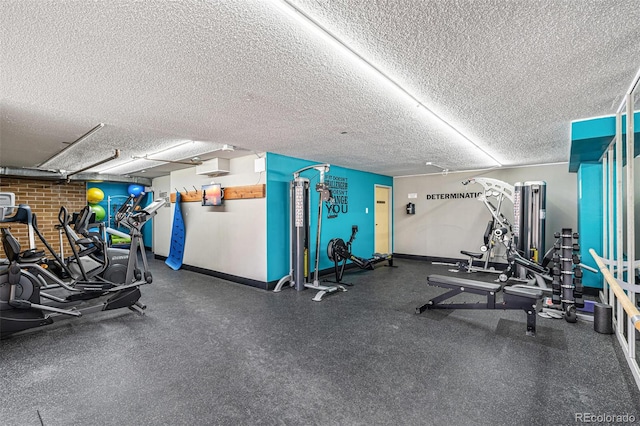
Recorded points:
(603, 318)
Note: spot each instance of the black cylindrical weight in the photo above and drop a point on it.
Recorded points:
(603, 318)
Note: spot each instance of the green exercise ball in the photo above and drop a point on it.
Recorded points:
(98, 210)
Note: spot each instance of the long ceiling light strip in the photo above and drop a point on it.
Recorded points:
(139, 165)
(72, 144)
(138, 158)
(312, 21)
(143, 162)
(117, 166)
(629, 91)
(160, 160)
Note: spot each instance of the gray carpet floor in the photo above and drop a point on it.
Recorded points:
(214, 352)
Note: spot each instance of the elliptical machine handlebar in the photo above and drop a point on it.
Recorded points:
(136, 218)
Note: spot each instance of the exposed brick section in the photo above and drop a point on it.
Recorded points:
(44, 198)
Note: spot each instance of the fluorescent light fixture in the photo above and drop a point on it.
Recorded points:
(127, 167)
(181, 151)
(315, 26)
(444, 170)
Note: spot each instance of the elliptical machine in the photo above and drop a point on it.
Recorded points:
(31, 296)
(117, 258)
(89, 257)
(339, 251)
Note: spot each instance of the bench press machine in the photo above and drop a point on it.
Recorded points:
(514, 297)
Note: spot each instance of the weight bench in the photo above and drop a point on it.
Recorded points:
(525, 298)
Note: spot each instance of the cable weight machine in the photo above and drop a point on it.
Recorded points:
(526, 235)
(498, 231)
(300, 276)
(529, 211)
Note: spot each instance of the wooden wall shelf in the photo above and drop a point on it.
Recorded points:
(230, 193)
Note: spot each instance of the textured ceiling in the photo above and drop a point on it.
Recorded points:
(509, 75)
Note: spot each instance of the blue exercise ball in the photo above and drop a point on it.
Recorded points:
(135, 190)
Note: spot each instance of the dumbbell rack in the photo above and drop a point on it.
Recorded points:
(567, 274)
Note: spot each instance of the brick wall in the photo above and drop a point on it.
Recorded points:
(44, 198)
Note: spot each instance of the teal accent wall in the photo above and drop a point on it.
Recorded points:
(120, 190)
(355, 193)
(590, 198)
(589, 138)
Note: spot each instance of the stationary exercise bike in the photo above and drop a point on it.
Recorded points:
(339, 252)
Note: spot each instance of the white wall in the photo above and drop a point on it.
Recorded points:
(230, 239)
(441, 228)
(162, 220)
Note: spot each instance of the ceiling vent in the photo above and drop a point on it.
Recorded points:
(213, 167)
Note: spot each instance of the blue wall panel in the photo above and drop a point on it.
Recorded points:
(119, 190)
(354, 192)
(590, 218)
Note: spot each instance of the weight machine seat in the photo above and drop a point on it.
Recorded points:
(454, 282)
(472, 254)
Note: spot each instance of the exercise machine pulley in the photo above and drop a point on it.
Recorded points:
(300, 269)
